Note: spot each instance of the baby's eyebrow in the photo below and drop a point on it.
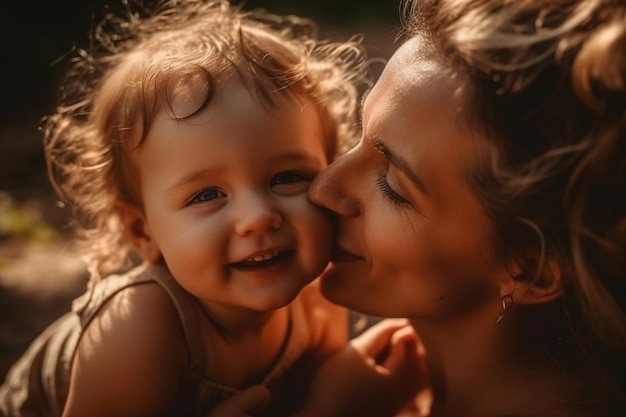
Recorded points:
(194, 176)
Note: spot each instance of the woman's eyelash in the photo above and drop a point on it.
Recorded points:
(389, 193)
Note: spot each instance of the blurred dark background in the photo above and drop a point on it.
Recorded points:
(35, 38)
(39, 272)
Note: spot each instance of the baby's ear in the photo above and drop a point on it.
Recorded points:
(536, 287)
(137, 231)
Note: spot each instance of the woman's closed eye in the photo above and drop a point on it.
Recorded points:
(389, 193)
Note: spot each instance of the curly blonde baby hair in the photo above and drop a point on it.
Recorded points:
(143, 60)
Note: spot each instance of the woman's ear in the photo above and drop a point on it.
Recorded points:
(535, 288)
(137, 231)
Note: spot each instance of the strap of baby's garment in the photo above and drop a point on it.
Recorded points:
(187, 308)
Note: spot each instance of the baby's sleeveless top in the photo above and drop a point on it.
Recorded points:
(37, 384)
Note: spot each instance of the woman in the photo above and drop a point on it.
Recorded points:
(486, 203)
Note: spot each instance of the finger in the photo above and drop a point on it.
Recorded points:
(375, 339)
(245, 403)
(402, 351)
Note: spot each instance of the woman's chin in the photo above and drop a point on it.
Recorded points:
(332, 285)
(339, 290)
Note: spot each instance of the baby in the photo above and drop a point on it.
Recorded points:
(185, 146)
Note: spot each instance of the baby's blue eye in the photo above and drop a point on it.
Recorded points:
(288, 177)
(206, 195)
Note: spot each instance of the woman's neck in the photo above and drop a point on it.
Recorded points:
(484, 369)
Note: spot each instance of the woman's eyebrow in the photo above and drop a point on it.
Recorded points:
(400, 163)
(363, 97)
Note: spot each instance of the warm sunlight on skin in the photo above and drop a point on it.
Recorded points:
(226, 202)
(183, 148)
(410, 229)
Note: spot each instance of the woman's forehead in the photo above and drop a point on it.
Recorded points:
(417, 106)
(413, 75)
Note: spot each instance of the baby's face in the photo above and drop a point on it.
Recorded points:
(225, 199)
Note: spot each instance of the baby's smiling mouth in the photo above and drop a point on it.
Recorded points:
(263, 260)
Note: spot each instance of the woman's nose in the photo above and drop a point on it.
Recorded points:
(257, 215)
(331, 187)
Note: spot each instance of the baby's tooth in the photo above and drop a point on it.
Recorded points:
(261, 258)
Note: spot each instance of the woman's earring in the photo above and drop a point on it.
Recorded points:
(507, 303)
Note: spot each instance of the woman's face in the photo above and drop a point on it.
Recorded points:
(412, 239)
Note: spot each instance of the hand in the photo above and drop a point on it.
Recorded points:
(246, 403)
(377, 374)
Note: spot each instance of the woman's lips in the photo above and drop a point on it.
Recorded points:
(340, 254)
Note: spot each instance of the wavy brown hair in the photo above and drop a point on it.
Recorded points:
(141, 60)
(545, 82)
